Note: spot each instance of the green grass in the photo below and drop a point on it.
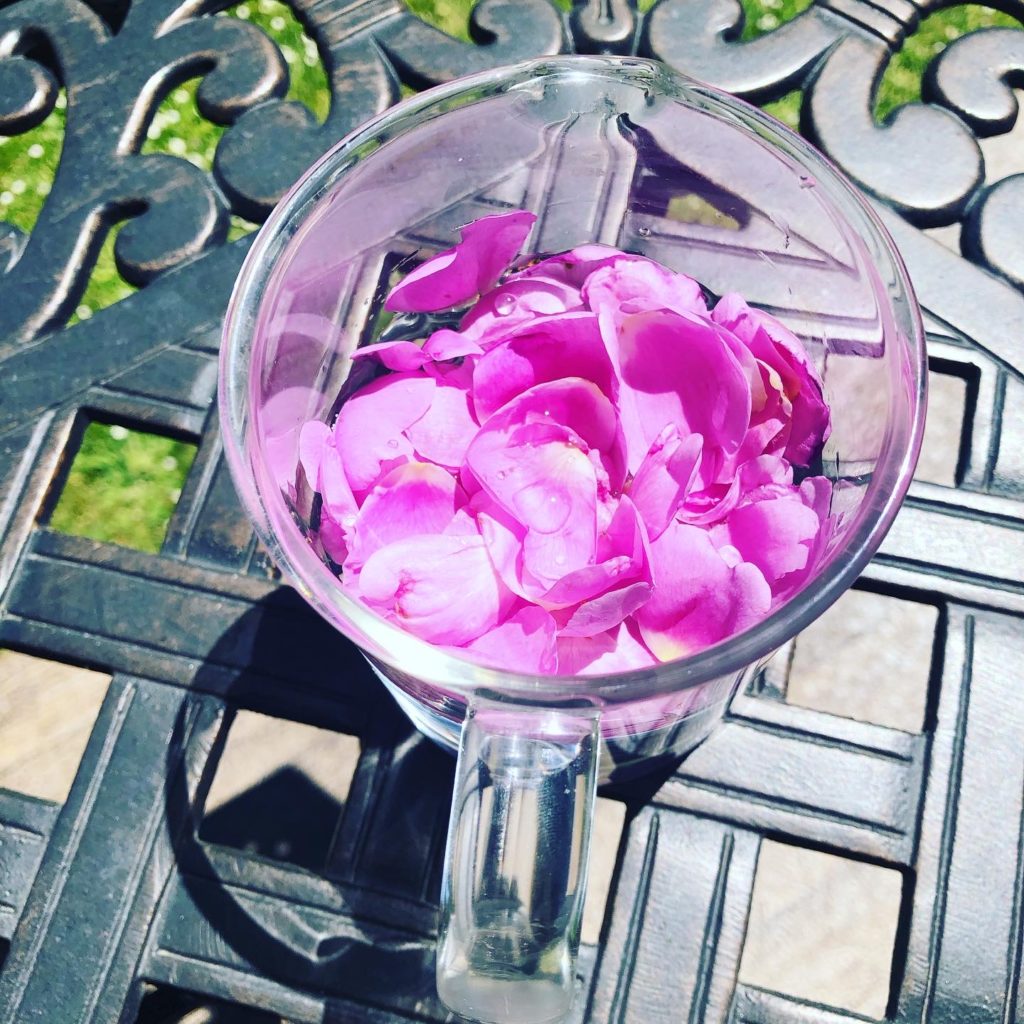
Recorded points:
(901, 82)
(123, 488)
(451, 16)
(764, 16)
(27, 166)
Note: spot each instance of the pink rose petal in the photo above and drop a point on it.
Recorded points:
(452, 277)
(515, 303)
(547, 484)
(339, 504)
(313, 438)
(708, 506)
(624, 557)
(504, 538)
(468, 481)
(698, 598)
(621, 564)
(771, 418)
(816, 494)
(412, 500)
(332, 537)
(591, 581)
(568, 417)
(588, 599)
(442, 589)
(730, 555)
(531, 458)
(452, 374)
(446, 344)
(675, 370)
(525, 639)
(546, 349)
(547, 557)
(580, 406)
(774, 533)
(625, 534)
(606, 611)
(621, 559)
(462, 524)
(765, 471)
(639, 285)
(704, 508)
(774, 345)
(443, 433)
(395, 355)
(338, 507)
(769, 415)
(665, 477)
(618, 650)
(371, 426)
(572, 268)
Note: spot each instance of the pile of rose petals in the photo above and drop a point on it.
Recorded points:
(594, 473)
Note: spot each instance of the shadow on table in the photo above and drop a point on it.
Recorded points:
(311, 930)
(358, 930)
(285, 816)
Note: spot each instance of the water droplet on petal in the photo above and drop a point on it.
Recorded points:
(504, 304)
(502, 473)
(806, 181)
(542, 507)
(392, 443)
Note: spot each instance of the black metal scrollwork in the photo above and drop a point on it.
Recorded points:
(114, 83)
(174, 211)
(924, 160)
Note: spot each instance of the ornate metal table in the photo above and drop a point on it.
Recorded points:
(115, 895)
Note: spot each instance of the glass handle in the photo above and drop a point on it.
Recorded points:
(516, 865)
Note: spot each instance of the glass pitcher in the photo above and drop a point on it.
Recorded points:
(602, 149)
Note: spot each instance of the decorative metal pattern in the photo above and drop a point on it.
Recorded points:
(115, 890)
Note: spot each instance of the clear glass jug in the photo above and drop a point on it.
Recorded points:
(615, 150)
